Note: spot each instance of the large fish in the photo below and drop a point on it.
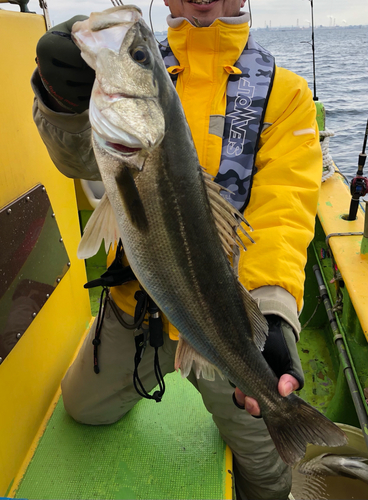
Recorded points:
(175, 226)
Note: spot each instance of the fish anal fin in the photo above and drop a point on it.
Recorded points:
(102, 225)
(187, 358)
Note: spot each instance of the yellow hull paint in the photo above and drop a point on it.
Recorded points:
(334, 202)
(32, 449)
(229, 479)
(31, 373)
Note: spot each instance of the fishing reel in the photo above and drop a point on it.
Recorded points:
(358, 189)
(359, 185)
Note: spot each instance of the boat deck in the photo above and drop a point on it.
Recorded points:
(167, 450)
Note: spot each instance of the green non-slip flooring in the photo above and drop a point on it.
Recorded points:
(167, 450)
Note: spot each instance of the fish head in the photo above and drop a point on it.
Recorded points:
(315, 466)
(126, 111)
(326, 464)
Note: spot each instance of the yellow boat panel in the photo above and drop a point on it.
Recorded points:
(334, 202)
(30, 375)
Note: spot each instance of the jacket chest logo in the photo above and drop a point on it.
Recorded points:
(240, 117)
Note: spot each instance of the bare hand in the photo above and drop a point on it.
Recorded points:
(287, 384)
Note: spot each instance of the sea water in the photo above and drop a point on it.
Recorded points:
(341, 56)
(341, 80)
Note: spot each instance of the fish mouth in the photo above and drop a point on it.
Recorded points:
(116, 148)
(122, 148)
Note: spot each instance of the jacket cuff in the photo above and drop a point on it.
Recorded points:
(73, 123)
(276, 300)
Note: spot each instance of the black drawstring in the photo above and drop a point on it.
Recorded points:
(116, 275)
(101, 314)
(156, 340)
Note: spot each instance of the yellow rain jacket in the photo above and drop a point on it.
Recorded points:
(285, 189)
(284, 195)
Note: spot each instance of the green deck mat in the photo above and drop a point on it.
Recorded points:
(317, 364)
(168, 450)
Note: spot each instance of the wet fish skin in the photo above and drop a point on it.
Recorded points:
(329, 464)
(159, 198)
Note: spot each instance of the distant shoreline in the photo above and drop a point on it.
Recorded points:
(292, 28)
(301, 28)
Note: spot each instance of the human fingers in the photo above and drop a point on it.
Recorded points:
(287, 384)
(246, 403)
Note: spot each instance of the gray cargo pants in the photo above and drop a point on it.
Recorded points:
(105, 398)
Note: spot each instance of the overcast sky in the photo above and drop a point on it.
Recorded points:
(276, 12)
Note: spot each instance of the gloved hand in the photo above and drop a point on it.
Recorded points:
(64, 74)
(281, 354)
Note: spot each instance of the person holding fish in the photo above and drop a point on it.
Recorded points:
(235, 118)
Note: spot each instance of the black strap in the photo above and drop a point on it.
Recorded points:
(116, 275)
(156, 340)
(101, 314)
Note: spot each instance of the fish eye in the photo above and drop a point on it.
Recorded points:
(140, 55)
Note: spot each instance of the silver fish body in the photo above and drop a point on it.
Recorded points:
(155, 184)
(329, 464)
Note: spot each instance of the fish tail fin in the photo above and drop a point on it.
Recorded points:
(301, 426)
(101, 225)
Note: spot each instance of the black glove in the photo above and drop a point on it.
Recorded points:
(280, 350)
(64, 74)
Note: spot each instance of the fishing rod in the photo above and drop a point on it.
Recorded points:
(343, 355)
(46, 15)
(315, 98)
(359, 185)
(363, 156)
(312, 44)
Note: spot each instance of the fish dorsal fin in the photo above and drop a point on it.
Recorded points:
(187, 358)
(227, 218)
(257, 321)
(102, 225)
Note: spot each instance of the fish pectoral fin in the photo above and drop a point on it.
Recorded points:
(102, 225)
(257, 321)
(187, 358)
